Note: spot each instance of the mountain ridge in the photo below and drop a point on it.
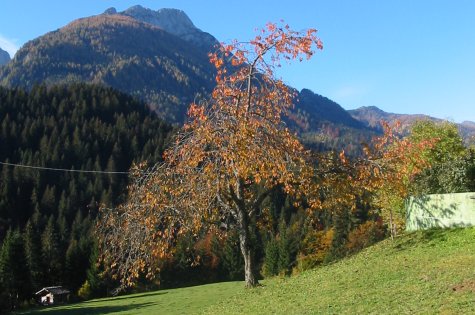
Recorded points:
(161, 57)
(372, 115)
(4, 57)
(93, 49)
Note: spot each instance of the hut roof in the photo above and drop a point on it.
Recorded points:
(57, 290)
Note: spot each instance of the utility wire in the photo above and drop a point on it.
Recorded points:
(62, 169)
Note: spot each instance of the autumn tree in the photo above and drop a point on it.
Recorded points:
(387, 171)
(380, 179)
(231, 154)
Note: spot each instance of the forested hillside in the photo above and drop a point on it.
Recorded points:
(46, 216)
(161, 58)
(118, 51)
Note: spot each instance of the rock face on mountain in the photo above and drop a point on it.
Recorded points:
(173, 21)
(4, 57)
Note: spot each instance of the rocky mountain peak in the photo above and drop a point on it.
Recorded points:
(4, 57)
(173, 21)
(110, 11)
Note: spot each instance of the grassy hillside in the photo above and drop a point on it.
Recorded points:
(425, 272)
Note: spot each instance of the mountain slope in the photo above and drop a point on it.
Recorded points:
(320, 109)
(372, 116)
(71, 127)
(161, 57)
(467, 129)
(138, 58)
(85, 128)
(4, 57)
(158, 56)
(324, 125)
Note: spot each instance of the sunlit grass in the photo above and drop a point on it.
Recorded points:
(424, 272)
(427, 272)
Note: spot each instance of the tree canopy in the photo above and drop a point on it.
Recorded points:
(233, 151)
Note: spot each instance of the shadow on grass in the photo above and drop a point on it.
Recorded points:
(92, 310)
(424, 237)
(127, 297)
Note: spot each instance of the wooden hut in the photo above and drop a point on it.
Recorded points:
(53, 295)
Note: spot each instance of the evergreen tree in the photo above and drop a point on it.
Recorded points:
(51, 254)
(32, 242)
(48, 200)
(74, 269)
(284, 247)
(14, 274)
(232, 258)
(93, 277)
(271, 260)
(342, 227)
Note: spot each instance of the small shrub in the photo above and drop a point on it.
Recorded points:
(365, 235)
(315, 248)
(85, 291)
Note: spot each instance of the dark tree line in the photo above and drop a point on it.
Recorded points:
(46, 216)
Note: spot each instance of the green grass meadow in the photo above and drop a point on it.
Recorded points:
(428, 272)
(190, 300)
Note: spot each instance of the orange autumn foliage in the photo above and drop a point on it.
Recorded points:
(390, 164)
(208, 181)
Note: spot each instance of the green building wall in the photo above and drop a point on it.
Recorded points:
(440, 210)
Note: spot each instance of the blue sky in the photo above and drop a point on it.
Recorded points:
(404, 56)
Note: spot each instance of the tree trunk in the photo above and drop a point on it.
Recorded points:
(246, 250)
(392, 226)
(250, 278)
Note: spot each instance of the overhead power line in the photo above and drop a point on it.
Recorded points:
(61, 169)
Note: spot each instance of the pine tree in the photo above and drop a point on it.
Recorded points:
(271, 259)
(231, 257)
(342, 227)
(74, 271)
(48, 201)
(98, 286)
(32, 242)
(51, 253)
(63, 205)
(284, 247)
(14, 273)
(6, 192)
